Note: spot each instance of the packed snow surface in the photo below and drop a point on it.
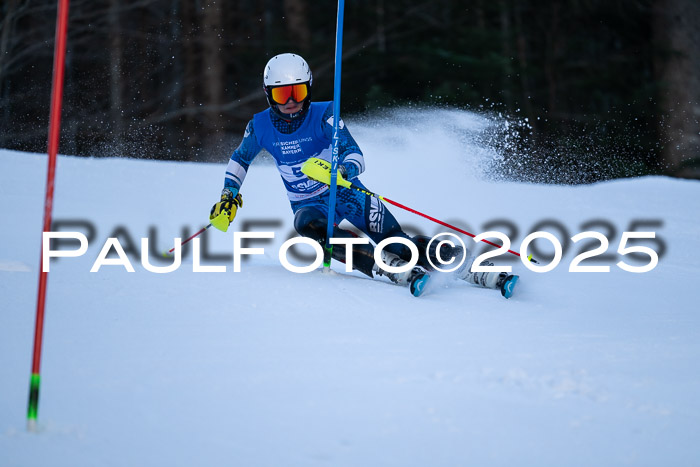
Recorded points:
(265, 367)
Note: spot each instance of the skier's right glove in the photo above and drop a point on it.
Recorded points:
(223, 212)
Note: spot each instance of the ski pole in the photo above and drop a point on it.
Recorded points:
(221, 222)
(399, 205)
(170, 251)
(319, 170)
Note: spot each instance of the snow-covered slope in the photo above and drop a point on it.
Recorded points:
(266, 367)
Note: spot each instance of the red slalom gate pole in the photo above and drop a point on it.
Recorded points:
(59, 62)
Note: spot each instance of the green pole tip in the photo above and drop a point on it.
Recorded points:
(33, 407)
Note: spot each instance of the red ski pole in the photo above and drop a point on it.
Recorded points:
(319, 170)
(169, 252)
(449, 226)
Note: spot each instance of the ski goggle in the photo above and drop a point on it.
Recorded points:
(281, 94)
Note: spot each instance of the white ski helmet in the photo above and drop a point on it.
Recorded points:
(283, 70)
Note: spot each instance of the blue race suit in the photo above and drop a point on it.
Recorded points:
(291, 143)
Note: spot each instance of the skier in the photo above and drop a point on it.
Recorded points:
(294, 129)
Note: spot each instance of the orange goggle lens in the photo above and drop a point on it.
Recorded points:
(298, 92)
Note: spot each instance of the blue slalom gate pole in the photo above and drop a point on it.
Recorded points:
(336, 125)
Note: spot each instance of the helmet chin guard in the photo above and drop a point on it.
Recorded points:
(282, 70)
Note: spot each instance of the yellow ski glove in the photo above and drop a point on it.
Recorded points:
(223, 212)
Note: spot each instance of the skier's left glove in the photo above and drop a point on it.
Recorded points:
(320, 170)
(348, 170)
(223, 212)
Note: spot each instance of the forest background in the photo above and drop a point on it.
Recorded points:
(595, 89)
